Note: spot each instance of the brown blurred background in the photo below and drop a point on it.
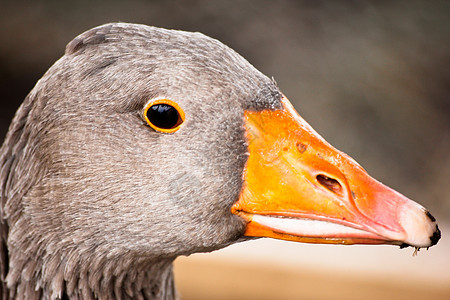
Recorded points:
(371, 76)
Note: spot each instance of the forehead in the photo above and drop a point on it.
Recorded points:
(169, 62)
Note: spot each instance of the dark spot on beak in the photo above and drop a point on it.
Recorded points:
(301, 147)
(436, 235)
(402, 246)
(430, 216)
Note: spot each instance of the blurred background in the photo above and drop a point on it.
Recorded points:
(372, 77)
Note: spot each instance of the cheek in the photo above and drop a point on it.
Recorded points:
(228, 157)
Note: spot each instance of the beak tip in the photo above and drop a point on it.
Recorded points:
(420, 226)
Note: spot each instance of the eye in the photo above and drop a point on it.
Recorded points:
(164, 115)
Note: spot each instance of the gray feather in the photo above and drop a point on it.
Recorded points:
(96, 204)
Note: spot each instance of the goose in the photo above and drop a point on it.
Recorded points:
(142, 144)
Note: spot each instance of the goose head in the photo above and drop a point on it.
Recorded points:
(142, 144)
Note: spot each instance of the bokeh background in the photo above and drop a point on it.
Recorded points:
(372, 77)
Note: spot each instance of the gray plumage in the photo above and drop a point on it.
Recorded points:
(95, 203)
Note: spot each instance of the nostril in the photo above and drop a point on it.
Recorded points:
(329, 183)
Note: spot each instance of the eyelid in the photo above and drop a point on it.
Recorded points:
(168, 102)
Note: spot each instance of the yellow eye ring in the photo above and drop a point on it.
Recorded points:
(164, 115)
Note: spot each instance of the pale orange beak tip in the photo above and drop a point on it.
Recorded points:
(419, 225)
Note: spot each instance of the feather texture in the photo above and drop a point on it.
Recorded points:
(94, 203)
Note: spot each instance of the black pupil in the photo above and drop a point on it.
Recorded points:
(163, 116)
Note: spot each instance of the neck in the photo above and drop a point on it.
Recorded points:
(73, 276)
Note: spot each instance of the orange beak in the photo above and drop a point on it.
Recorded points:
(299, 188)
